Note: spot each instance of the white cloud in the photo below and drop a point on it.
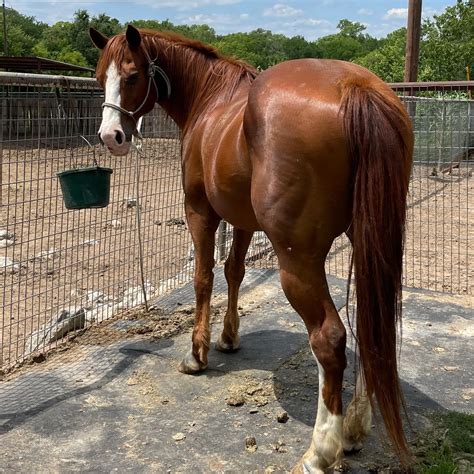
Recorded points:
(310, 28)
(183, 5)
(218, 21)
(396, 14)
(428, 12)
(282, 10)
(308, 22)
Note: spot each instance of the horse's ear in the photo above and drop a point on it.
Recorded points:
(98, 38)
(133, 37)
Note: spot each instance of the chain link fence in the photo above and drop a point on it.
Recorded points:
(63, 270)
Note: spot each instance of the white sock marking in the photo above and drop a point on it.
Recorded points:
(326, 446)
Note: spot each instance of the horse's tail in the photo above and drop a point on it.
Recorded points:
(380, 140)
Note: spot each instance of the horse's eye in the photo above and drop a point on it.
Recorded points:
(132, 78)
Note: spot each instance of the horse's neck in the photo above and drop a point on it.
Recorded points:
(189, 94)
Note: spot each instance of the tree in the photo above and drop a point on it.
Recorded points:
(53, 40)
(72, 57)
(297, 47)
(238, 45)
(447, 45)
(348, 44)
(388, 61)
(260, 47)
(23, 32)
(350, 28)
(203, 33)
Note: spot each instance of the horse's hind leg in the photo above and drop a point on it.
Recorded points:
(202, 222)
(234, 270)
(304, 283)
(358, 419)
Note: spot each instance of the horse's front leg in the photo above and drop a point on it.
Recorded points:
(202, 222)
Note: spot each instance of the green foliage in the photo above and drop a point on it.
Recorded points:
(447, 45)
(23, 32)
(54, 40)
(72, 57)
(388, 61)
(350, 28)
(349, 44)
(297, 47)
(261, 47)
(448, 447)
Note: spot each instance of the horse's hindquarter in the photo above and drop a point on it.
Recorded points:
(301, 164)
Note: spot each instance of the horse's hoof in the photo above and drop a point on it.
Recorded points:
(349, 448)
(223, 346)
(189, 365)
(300, 468)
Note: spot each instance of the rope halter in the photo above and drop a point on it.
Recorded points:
(153, 69)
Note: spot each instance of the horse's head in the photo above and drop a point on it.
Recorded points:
(127, 73)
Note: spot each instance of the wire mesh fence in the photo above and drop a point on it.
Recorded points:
(63, 270)
(439, 251)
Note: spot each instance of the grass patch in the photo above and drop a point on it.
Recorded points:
(447, 448)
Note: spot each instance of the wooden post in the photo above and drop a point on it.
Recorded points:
(5, 39)
(412, 51)
(221, 241)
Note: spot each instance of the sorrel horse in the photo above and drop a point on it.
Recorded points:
(304, 151)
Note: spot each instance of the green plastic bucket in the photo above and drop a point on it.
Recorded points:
(85, 188)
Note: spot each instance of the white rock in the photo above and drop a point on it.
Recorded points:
(134, 296)
(7, 264)
(4, 243)
(47, 254)
(100, 313)
(95, 297)
(116, 224)
(6, 235)
(67, 320)
(90, 242)
(130, 202)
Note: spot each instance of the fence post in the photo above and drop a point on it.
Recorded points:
(221, 239)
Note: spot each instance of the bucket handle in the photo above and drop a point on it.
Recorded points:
(93, 149)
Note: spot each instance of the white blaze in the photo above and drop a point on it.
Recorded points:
(110, 116)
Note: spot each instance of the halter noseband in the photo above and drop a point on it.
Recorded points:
(152, 70)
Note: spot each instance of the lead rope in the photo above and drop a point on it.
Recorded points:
(138, 214)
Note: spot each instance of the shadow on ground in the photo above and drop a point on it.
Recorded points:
(123, 406)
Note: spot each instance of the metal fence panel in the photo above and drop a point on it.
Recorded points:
(81, 266)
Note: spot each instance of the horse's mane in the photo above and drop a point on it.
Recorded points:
(215, 77)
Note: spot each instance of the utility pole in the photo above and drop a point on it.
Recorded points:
(5, 44)
(412, 52)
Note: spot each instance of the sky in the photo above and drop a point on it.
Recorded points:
(309, 18)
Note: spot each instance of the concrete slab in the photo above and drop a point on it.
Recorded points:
(122, 406)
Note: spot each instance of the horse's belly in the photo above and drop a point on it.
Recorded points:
(228, 171)
(231, 201)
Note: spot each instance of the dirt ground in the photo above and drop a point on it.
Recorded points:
(79, 258)
(84, 258)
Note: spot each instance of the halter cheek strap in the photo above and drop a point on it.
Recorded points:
(153, 69)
